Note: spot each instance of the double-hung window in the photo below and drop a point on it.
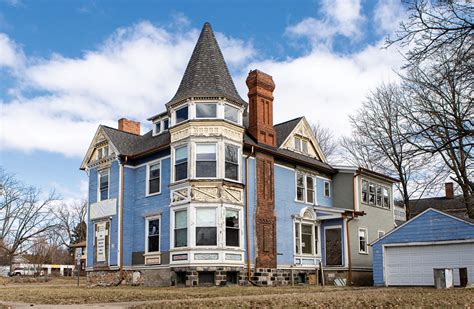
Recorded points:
(309, 190)
(181, 163)
(206, 161)
(365, 191)
(153, 235)
(379, 195)
(182, 114)
(363, 241)
(180, 228)
(206, 110)
(371, 193)
(232, 162)
(300, 187)
(153, 178)
(232, 228)
(206, 227)
(298, 144)
(103, 185)
(327, 189)
(386, 198)
(231, 113)
(306, 238)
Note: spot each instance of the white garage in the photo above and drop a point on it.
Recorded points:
(407, 255)
(413, 265)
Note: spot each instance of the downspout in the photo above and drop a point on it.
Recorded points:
(121, 217)
(349, 256)
(247, 238)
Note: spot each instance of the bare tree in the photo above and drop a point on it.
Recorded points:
(435, 26)
(24, 215)
(381, 130)
(70, 219)
(326, 140)
(440, 117)
(357, 150)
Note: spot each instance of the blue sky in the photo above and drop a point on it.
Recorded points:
(68, 66)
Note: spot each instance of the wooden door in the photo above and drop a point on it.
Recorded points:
(333, 247)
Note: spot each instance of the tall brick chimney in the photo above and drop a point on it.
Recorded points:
(129, 126)
(260, 95)
(449, 190)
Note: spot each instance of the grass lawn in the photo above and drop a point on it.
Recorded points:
(64, 291)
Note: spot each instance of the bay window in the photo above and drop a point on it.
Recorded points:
(180, 228)
(153, 235)
(206, 110)
(306, 239)
(153, 177)
(375, 194)
(232, 228)
(232, 162)
(231, 113)
(206, 160)
(182, 114)
(103, 185)
(206, 227)
(181, 163)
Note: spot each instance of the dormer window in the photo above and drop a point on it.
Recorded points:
(182, 114)
(160, 126)
(231, 113)
(206, 110)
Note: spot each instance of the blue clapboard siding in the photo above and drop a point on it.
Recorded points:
(252, 202)
(320, 198)
(430, 226)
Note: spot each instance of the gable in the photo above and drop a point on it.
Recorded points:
(430, 226)
(302, 132)
(99, 141)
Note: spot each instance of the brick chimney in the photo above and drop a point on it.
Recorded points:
(449, 189)
(260, 95)
(129, 126)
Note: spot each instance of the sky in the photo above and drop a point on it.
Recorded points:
(68, 66)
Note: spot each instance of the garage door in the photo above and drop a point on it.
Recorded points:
(413, 265)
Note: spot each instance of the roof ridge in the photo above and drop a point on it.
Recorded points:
(297, 118)
(115, 129)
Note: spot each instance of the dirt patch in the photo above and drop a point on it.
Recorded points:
(64, 292)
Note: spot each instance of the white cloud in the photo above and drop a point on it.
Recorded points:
(10, 54)
(132, 74)
(387, 16)
(339, 17)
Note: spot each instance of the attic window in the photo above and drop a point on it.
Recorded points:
(160, 126)
(301, 145)
(102, 152)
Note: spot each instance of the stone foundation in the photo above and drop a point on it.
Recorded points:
(222, 276)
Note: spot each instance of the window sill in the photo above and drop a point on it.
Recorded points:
(148, 254)
(153, 194)
(364, 253)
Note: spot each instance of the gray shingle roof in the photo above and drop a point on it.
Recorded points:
(207, 74)
(284, 129)
(129, 144)
(453, 206)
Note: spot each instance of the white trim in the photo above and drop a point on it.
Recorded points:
(147, 222)
(316, 250)
(173, 211)
(430, 243)
(195, 160)
(329, 188)
(173, 161)
(366, 233)
(98, 199)
(216, 103)
(284, 166)
(147, 177)
(412, 219)
(378, 233)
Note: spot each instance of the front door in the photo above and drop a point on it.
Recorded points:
(333, 247)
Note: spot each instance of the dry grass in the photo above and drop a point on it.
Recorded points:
(63, 291)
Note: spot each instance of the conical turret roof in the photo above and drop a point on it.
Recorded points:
(207, 74)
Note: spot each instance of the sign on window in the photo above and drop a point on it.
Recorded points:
(101, 235)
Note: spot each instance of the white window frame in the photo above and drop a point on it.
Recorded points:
(305, 188)
(380, 233)
(366, 249)
(239, 114)
(161, 121)
(316, 250)
(195, 226)
(204, 103)
(99, 172)
(147, 221)
(175, 122)
(147, 185)
(172, 227)
(173, 162)
(239, 211)
(329, 188)
(216, 145)
(239, 161)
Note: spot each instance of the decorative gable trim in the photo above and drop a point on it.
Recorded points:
(100, 139)
(304, 129)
